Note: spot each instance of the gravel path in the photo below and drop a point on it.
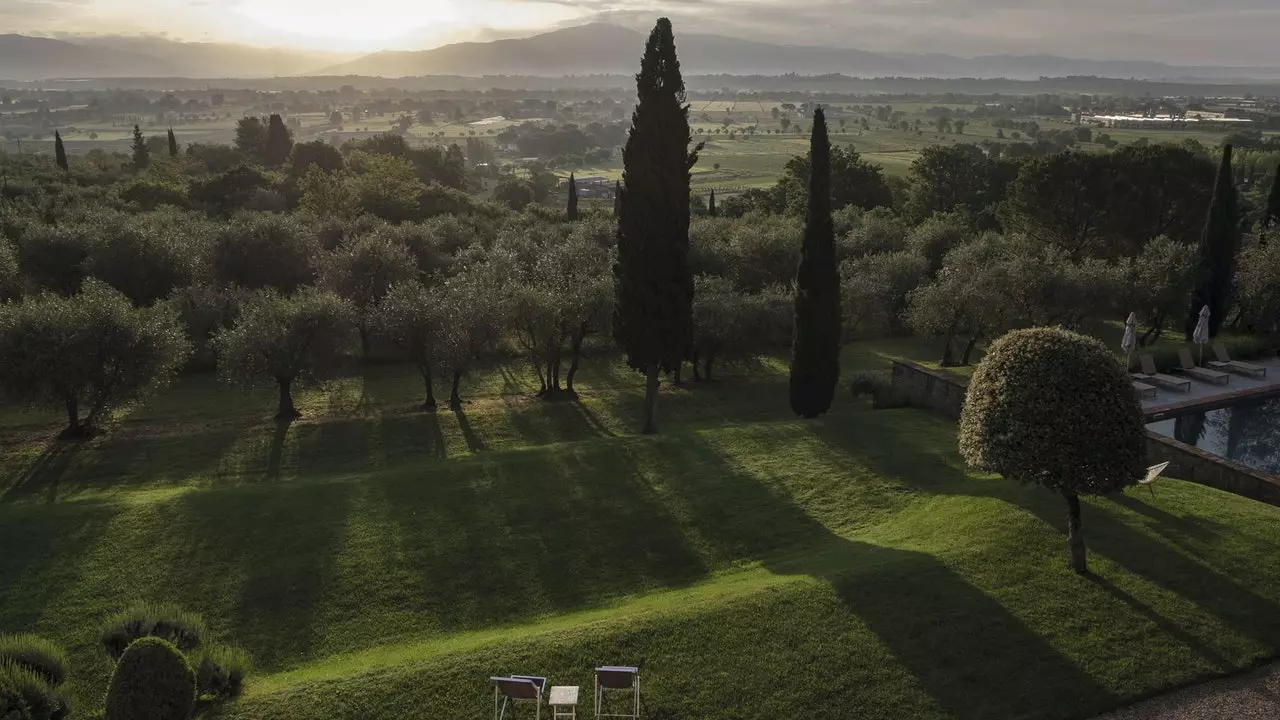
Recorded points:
(1255, 696)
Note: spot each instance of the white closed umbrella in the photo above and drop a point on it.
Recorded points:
(1130, 341)
(1201, 335)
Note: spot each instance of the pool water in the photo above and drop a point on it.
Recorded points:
(1248, 433)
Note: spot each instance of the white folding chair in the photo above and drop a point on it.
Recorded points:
(507, 690)
(614, 677)
(1153, 472)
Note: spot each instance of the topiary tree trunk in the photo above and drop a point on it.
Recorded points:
(1075, 539)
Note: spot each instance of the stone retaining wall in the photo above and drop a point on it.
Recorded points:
(922, 387)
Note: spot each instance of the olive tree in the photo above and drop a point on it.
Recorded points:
(1053, 408)
(265, 251)
(10, 274)
(303, 337)
(732, 326)
(472, 313)
(363, 270)
(1257, 286)
(148, 256)
(408, 316)
(93, 350)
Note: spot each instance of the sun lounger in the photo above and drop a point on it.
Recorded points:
(1199, 373)
(1150, 374)
(1224, 362)
(614, 677)
(1144, 390)
(507, 690)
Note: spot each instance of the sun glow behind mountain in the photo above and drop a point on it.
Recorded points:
(378, 24)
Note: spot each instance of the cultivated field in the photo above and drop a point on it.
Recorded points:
(379, 562)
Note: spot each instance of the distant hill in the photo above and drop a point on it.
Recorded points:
(204, 60)
(595, 49)
(33, 58)
(603, 48)
(36, 58)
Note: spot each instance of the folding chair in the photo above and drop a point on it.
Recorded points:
(612, 677)
(1153, 472)
(517, 687)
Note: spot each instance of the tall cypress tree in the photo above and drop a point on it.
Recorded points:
(173, 144)
(573, 199)
(617, 196)
(711, 204)
(141, 153)
(279, 142)
(653, 316)
(1218, 246)
(815, 352)
(59, 151)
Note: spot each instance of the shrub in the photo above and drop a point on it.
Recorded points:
(220, 672)
(1053, 408)
(26, 695)
(867, 383)
(36, 654)
(183, 629)
(153, 681)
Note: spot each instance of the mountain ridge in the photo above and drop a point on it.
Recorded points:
(592, 49)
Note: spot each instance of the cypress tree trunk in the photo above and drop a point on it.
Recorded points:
(1075, 540)
(815, 354)
(651, 400)
(653, 313)
(430, 402)
(1218, 246)
(285, 410)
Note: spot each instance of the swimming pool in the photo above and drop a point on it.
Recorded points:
(1248, 433)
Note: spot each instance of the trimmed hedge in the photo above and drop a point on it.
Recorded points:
(184, 630)
(220, 672)
(26, 694)
(153, 681)
(35, 654)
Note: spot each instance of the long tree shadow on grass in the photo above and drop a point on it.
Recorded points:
(1205, 580)
(552, 530)
(967, 651)
(41, 478)
(257, 563)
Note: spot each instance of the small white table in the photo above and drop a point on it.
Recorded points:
(563, 701)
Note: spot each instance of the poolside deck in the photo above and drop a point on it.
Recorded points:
(1205, 396)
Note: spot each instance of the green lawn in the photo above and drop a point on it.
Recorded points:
(378, 562)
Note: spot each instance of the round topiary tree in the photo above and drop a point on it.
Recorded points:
(152, 681)
(1054, 408)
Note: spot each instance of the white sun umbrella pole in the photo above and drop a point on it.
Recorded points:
(1201, 335)
(1130, 341)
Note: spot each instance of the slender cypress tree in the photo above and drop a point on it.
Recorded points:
(573, 199)
(711, 204)
(141, 153)
(617, 196)
(173, 144)
(1218, 246)
(653, 316)
(815, 352)
(279, 142)
(59, 151)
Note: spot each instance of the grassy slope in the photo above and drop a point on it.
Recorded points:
(381, 563)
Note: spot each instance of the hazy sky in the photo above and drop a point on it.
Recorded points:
(1221, 32)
